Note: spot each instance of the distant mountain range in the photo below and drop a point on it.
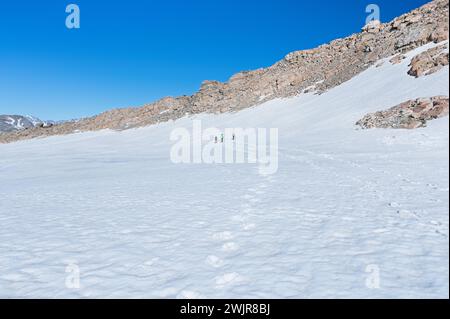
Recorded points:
(11, 123)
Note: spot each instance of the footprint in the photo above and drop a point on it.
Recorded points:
(169, 292)
(151, 262)
(439, 228)
(255, 191)
(248, 226)
(226, 235)
(214, 261)
(228, 279)
(238, 218)
(435, 223)
(186, 294)
(381, 231)
(341, 235)
(407, 214)
(230, 246)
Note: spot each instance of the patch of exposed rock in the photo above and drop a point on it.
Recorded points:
(408, 115)
(373, 26)
(322, 68)
(429, 62)
(397, 59)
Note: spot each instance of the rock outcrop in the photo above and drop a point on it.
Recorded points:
(373, 26)
(397, 59)
(429, 62)
(324, 67)
(408, 115)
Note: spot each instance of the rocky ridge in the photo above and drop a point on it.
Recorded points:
(321, 68)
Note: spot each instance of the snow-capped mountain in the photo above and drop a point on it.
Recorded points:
(12, 123)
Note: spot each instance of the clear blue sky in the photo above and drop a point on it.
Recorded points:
(128, 53)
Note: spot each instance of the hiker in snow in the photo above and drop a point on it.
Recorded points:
(233, 137)
(221, 138)
(215, 139)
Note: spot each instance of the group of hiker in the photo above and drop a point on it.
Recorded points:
(222, 138)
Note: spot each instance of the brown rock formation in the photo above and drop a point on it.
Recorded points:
(429, 62)
(397, 59)
(408, 115)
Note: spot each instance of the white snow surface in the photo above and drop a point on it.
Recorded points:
(345, 205)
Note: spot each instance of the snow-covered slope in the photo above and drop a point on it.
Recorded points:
(350, 213)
